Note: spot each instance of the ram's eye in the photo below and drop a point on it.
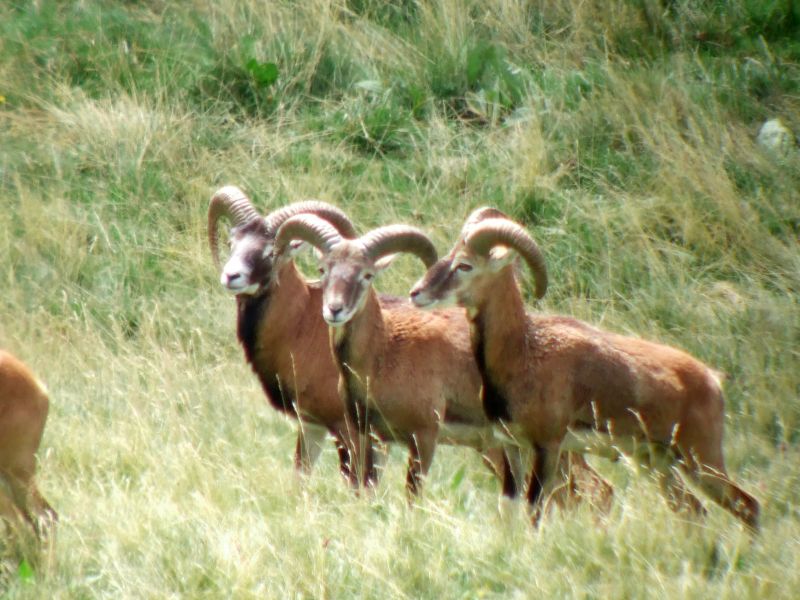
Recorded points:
(466, 267)
(368, 276)
(321, 270)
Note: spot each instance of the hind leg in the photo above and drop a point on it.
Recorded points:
(22, 503)
(44, 516)
(564, 492)
(662, 460)
(586, 483)
(704, 464)
(677, 496)
(38, 512)
(718, 486)
(17, 537)
(9, 511)
(699, 441)
(577, 481)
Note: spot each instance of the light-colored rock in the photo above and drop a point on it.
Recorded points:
(776, 137)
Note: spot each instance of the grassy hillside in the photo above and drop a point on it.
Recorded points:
(622, 133)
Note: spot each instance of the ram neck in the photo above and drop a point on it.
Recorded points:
(290, 296)
(358, 344)
(266, 322)
(497, 325)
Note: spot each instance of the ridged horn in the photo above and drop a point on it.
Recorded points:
(310, 228)
(231, 202)
(492, 232)
(390, 239)
(481, 214)
(330, 213)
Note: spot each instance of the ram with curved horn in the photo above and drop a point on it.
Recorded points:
(279, 319)
(563, 384)
(407, 373)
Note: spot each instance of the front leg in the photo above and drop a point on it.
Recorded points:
(508, 465)
(356, 456)
(513, 471)
(310, 438)
(363, 467)
(421, 448)
(342, 432)
(544, 477)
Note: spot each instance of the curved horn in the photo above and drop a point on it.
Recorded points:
(330, 213)
(310, 228)
(481, 214)
(493, 232)
(399, 238)
(230, 202)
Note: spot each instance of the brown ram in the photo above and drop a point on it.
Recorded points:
(407, 373)
(563, 384)
(279, 320)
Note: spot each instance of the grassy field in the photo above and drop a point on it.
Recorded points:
(622, 133)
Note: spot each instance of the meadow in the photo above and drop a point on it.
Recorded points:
(621, 133)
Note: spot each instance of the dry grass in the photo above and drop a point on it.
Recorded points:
(629, 153)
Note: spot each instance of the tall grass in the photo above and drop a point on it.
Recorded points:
(621, 133)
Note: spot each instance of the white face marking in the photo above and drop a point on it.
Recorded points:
(444, 282)
(346, 278)
(422, 298)
(335, 310)
(334, 320)
(237, 273)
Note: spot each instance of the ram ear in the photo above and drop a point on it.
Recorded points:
(384, 261)
(500, 257)
(292, 249)
(295, 247)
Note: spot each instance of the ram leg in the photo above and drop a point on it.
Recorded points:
(421, 448)
(310, 438)
(712, 478)
(506, 463)
(678, 497)
(544, 478)
(586, 483)
(22, 503)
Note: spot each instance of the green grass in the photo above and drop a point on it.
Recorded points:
(623, 138)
